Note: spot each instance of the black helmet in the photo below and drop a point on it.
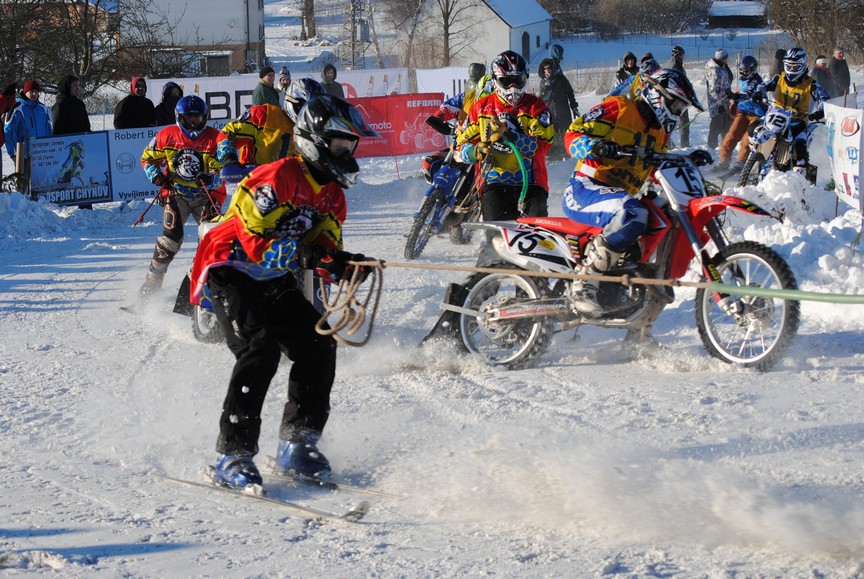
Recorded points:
(510, 74)
(677, 51)
(326, 134)
(300, 91)
(669, 93)
(191, 105)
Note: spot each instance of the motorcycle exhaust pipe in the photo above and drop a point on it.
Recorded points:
(558, 307)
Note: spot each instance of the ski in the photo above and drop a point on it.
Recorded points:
(352, 515)
(322, 484)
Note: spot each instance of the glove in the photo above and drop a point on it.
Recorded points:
(478, 152)
(162, 180)
(607, 150)
(439, 125)
(331, 264)
(757, 97)
(205, 179)
(575, 110)
(701, 157)
(816, 115)
(234, 173)
(496, 130)
(230, 160)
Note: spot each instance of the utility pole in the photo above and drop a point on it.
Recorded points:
(355, 37)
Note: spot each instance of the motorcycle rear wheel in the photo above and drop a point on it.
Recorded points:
(425, 224)
(759, 335)
(514, 344)
(750, 174)
(205, 326)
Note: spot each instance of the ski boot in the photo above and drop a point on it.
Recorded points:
(153, 283)
(236, 471)
(302, 460)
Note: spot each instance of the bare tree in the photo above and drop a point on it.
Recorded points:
(405, 16)
(455, 26)
(818, 26)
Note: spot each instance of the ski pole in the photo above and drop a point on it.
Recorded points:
(141, 217)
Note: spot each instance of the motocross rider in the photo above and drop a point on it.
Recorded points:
(747, 112)
(511, 114)
(796, 91)
(632, 86)
(603, 184)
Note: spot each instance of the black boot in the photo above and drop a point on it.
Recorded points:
(445, 327)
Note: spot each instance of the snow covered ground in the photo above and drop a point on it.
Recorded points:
(594, 463)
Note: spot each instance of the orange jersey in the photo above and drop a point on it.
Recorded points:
(261, 135)
(616, 119)
(275, 208)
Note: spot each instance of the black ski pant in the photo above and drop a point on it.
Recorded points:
(261, 318)
(501, 203)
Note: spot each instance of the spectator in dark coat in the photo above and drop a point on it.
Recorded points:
(171, 95)
(265, 93)
(557, 93)
(777, 64)
(628, 69)
(7, 104)
(823, 76)
(840, 71)
(69, 114)
(135, 111)
(328, 81)
(677, 62)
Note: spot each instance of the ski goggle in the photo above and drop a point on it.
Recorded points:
(340, 146)
(512, 80)
(794, 67)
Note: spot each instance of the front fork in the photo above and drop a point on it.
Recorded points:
(729, 303)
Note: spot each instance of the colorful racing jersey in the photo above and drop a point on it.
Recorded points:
(630, 88)
(802, 98)
(616, 119)
(275, 208)
(529, 120)
(748, 86)
(261, 135)
(172, 153)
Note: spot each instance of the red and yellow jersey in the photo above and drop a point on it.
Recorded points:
(261, 135)
(616, 119)
(275, 208)
(172, 153)
(532, 124)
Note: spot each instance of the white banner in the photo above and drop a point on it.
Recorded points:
(228, 96)
(450, 80)
(844, 149)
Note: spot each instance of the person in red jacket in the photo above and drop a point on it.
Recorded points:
(284, 215)
(184, 161)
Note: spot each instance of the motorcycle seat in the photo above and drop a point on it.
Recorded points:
(558, 224)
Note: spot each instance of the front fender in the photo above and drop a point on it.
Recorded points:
(706, 208)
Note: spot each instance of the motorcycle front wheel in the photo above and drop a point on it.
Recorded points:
(205, 326)
(751, 331)
(425, 224)
(513, 344)
(750, 174)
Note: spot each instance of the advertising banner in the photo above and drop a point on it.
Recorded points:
(72, 169)
(401, 122)
(106, 165)
(844, 150)
(228, 96)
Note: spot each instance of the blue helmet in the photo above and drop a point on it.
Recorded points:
(795, 64)
(191, 105)
(747, 66)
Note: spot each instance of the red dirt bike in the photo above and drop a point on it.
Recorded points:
(508, 319)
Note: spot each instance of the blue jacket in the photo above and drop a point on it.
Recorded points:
(747, 86)
(29, 119)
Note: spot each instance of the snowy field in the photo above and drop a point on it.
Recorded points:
(595, 463)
